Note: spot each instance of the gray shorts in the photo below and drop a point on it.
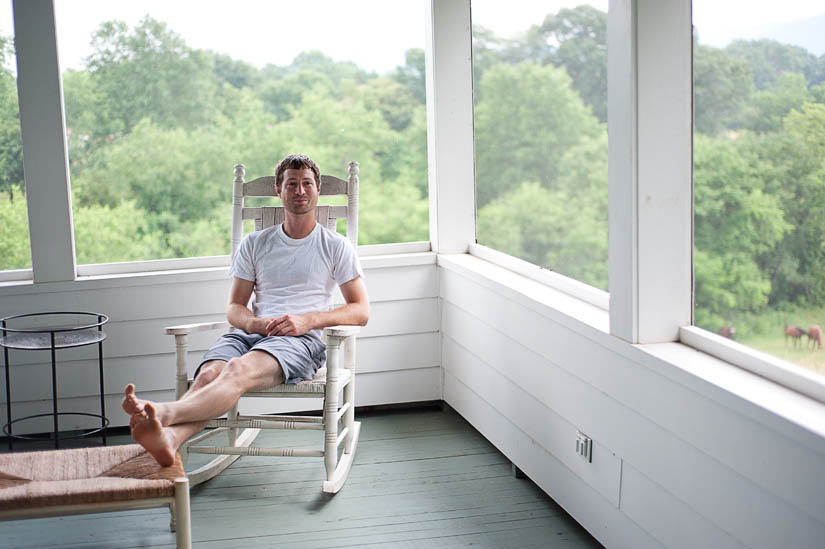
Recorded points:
(300, 357)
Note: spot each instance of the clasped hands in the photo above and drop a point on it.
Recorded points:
(286, 325)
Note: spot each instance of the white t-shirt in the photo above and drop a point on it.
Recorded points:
(295, 276)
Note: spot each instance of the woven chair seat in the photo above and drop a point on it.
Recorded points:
(83, 476)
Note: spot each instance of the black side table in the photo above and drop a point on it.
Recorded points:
(61, 330)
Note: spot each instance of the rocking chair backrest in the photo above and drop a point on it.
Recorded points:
(267, 216)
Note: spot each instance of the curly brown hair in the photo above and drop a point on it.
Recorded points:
(296, 162)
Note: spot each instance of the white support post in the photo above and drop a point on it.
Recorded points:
(451, 171)
(650, 159)
(45, 153)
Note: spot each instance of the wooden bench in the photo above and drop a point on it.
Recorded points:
(93, 480)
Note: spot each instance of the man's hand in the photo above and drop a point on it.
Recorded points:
(289, 325)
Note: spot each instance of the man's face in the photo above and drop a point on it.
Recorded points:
(299, 192)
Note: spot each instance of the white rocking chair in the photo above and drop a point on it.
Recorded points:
(337, 375)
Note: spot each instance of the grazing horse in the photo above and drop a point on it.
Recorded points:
(794, 332)
(815, 336)
(728, 331)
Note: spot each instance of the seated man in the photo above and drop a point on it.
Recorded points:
(293, 269)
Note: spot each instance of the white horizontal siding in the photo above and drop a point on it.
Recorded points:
(740, 478)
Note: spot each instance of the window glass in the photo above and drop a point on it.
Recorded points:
(759, 175)
(161, 103)
(15, 252)
(540, 97)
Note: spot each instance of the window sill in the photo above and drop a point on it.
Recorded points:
(143, 273)
(570, 286)
(762, 364)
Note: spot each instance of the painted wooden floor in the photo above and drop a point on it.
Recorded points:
(421, 478)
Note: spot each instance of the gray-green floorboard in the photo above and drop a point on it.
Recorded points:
(421, 478)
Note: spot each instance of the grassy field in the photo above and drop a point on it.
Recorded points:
(766, 332)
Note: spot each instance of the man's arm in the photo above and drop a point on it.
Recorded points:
(355, 312)
(238, 313)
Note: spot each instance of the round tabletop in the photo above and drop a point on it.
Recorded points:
(68, 329)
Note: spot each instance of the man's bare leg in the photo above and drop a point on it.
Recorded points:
(133, 405)
(162, 427)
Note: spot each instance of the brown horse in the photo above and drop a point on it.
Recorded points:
(815, 336)
(728, 331)
(794, 332)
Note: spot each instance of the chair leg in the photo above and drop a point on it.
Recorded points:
(331, 407)
(183, 514)
(349, 394)
(232, 433)
(339, 477)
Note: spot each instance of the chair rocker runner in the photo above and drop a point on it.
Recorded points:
(337, 375)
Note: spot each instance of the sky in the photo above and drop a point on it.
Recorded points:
(372, 33)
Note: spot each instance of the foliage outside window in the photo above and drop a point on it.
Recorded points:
(759, 194)
(14, 229)
(155, 126)
(541, 140)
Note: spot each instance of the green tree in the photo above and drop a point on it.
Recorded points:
(766, 109)
(798, 179)
(411, 74)
(237, 73)
(149, 72)
(737, 221)
(395, 102)
(11, 152)
(527, 117)
(121, 233)
(282, 96)
(722, 85)
(576, 39)
(563, 229)
(770, 59)
(337, 71)
(15, 252)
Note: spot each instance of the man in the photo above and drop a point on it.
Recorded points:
(293, 269)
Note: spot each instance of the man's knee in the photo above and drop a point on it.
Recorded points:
(255, 369)
(239, 368)
(208, 372)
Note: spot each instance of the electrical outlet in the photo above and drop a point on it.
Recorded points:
(584, 446)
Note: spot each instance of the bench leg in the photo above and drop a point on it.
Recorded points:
(182, 516)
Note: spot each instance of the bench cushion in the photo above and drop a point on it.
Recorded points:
(83, 475)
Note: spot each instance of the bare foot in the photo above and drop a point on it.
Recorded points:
(135, 407)
(131, 403)
(149, 433)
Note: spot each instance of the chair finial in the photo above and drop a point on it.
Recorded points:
(240, 172)
(353, 168)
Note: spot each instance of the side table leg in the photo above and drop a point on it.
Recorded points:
(54, 395)
(102, 393)
(8, 394)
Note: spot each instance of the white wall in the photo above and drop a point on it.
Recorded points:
(398, 350)
(730, 460)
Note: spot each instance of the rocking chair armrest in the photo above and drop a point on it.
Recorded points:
(186, 329)
(341, 331)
